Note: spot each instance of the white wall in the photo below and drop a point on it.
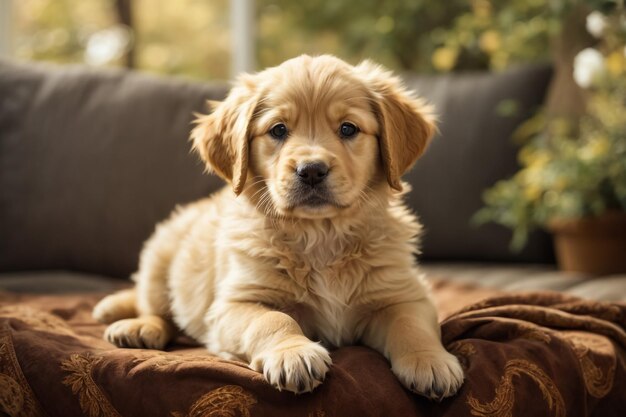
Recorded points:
(243, 32)
(5, 27)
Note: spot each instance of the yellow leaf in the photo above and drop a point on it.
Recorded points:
(444, 58)
(489, 41)
(615, 63)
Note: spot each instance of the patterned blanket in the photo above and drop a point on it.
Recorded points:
(524, 355)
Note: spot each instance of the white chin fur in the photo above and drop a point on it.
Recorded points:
(317, 212)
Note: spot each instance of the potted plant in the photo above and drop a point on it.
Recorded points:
(572, 179)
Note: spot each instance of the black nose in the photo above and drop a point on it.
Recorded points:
(312, 173)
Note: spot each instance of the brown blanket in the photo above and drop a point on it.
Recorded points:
(525, 355)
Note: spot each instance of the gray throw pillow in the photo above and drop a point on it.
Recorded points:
(90, 161)
(478, 113)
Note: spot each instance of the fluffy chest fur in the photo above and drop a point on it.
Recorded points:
(325, 273)
(329, 272)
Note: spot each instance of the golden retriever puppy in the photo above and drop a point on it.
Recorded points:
(310, 243)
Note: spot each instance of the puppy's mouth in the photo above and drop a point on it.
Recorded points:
(313, 198)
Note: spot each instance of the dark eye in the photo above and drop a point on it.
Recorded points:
(348, 130)
(279, 131)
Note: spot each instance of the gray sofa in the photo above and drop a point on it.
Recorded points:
(91, 160)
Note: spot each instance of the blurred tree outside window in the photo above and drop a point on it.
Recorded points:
(192, 37)
(186, 37)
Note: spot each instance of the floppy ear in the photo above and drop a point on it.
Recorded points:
(221, 138)
(406, 123)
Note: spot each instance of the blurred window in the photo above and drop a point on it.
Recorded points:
(190, 37)
(193, 37)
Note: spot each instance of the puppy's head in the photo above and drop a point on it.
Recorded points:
(314, 137)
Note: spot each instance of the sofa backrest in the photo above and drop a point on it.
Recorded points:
(478, 114)
(91, 160)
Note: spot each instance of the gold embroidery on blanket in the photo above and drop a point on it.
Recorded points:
(621, 357)
(11, 396)
(587, 347)
(226, 401)
(16, 396)
(463, 350)
(90, 398)
(504, 400)
(164, 359)
(35, 319)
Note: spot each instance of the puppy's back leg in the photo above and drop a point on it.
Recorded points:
(128, 330)
(118, 306)
(150, 326)
(138, 317)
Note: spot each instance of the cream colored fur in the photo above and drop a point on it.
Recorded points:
(256, 277)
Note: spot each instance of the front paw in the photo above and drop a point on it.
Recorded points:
(296, 364)
(433, 374)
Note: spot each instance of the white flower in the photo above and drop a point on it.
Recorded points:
(107, 45)
(596, 23)
(587, 65)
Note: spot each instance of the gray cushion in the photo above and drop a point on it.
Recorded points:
(89, 162)
(57, 282)
(473, 151)
(529, 278)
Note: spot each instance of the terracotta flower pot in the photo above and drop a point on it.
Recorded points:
(594, 245)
